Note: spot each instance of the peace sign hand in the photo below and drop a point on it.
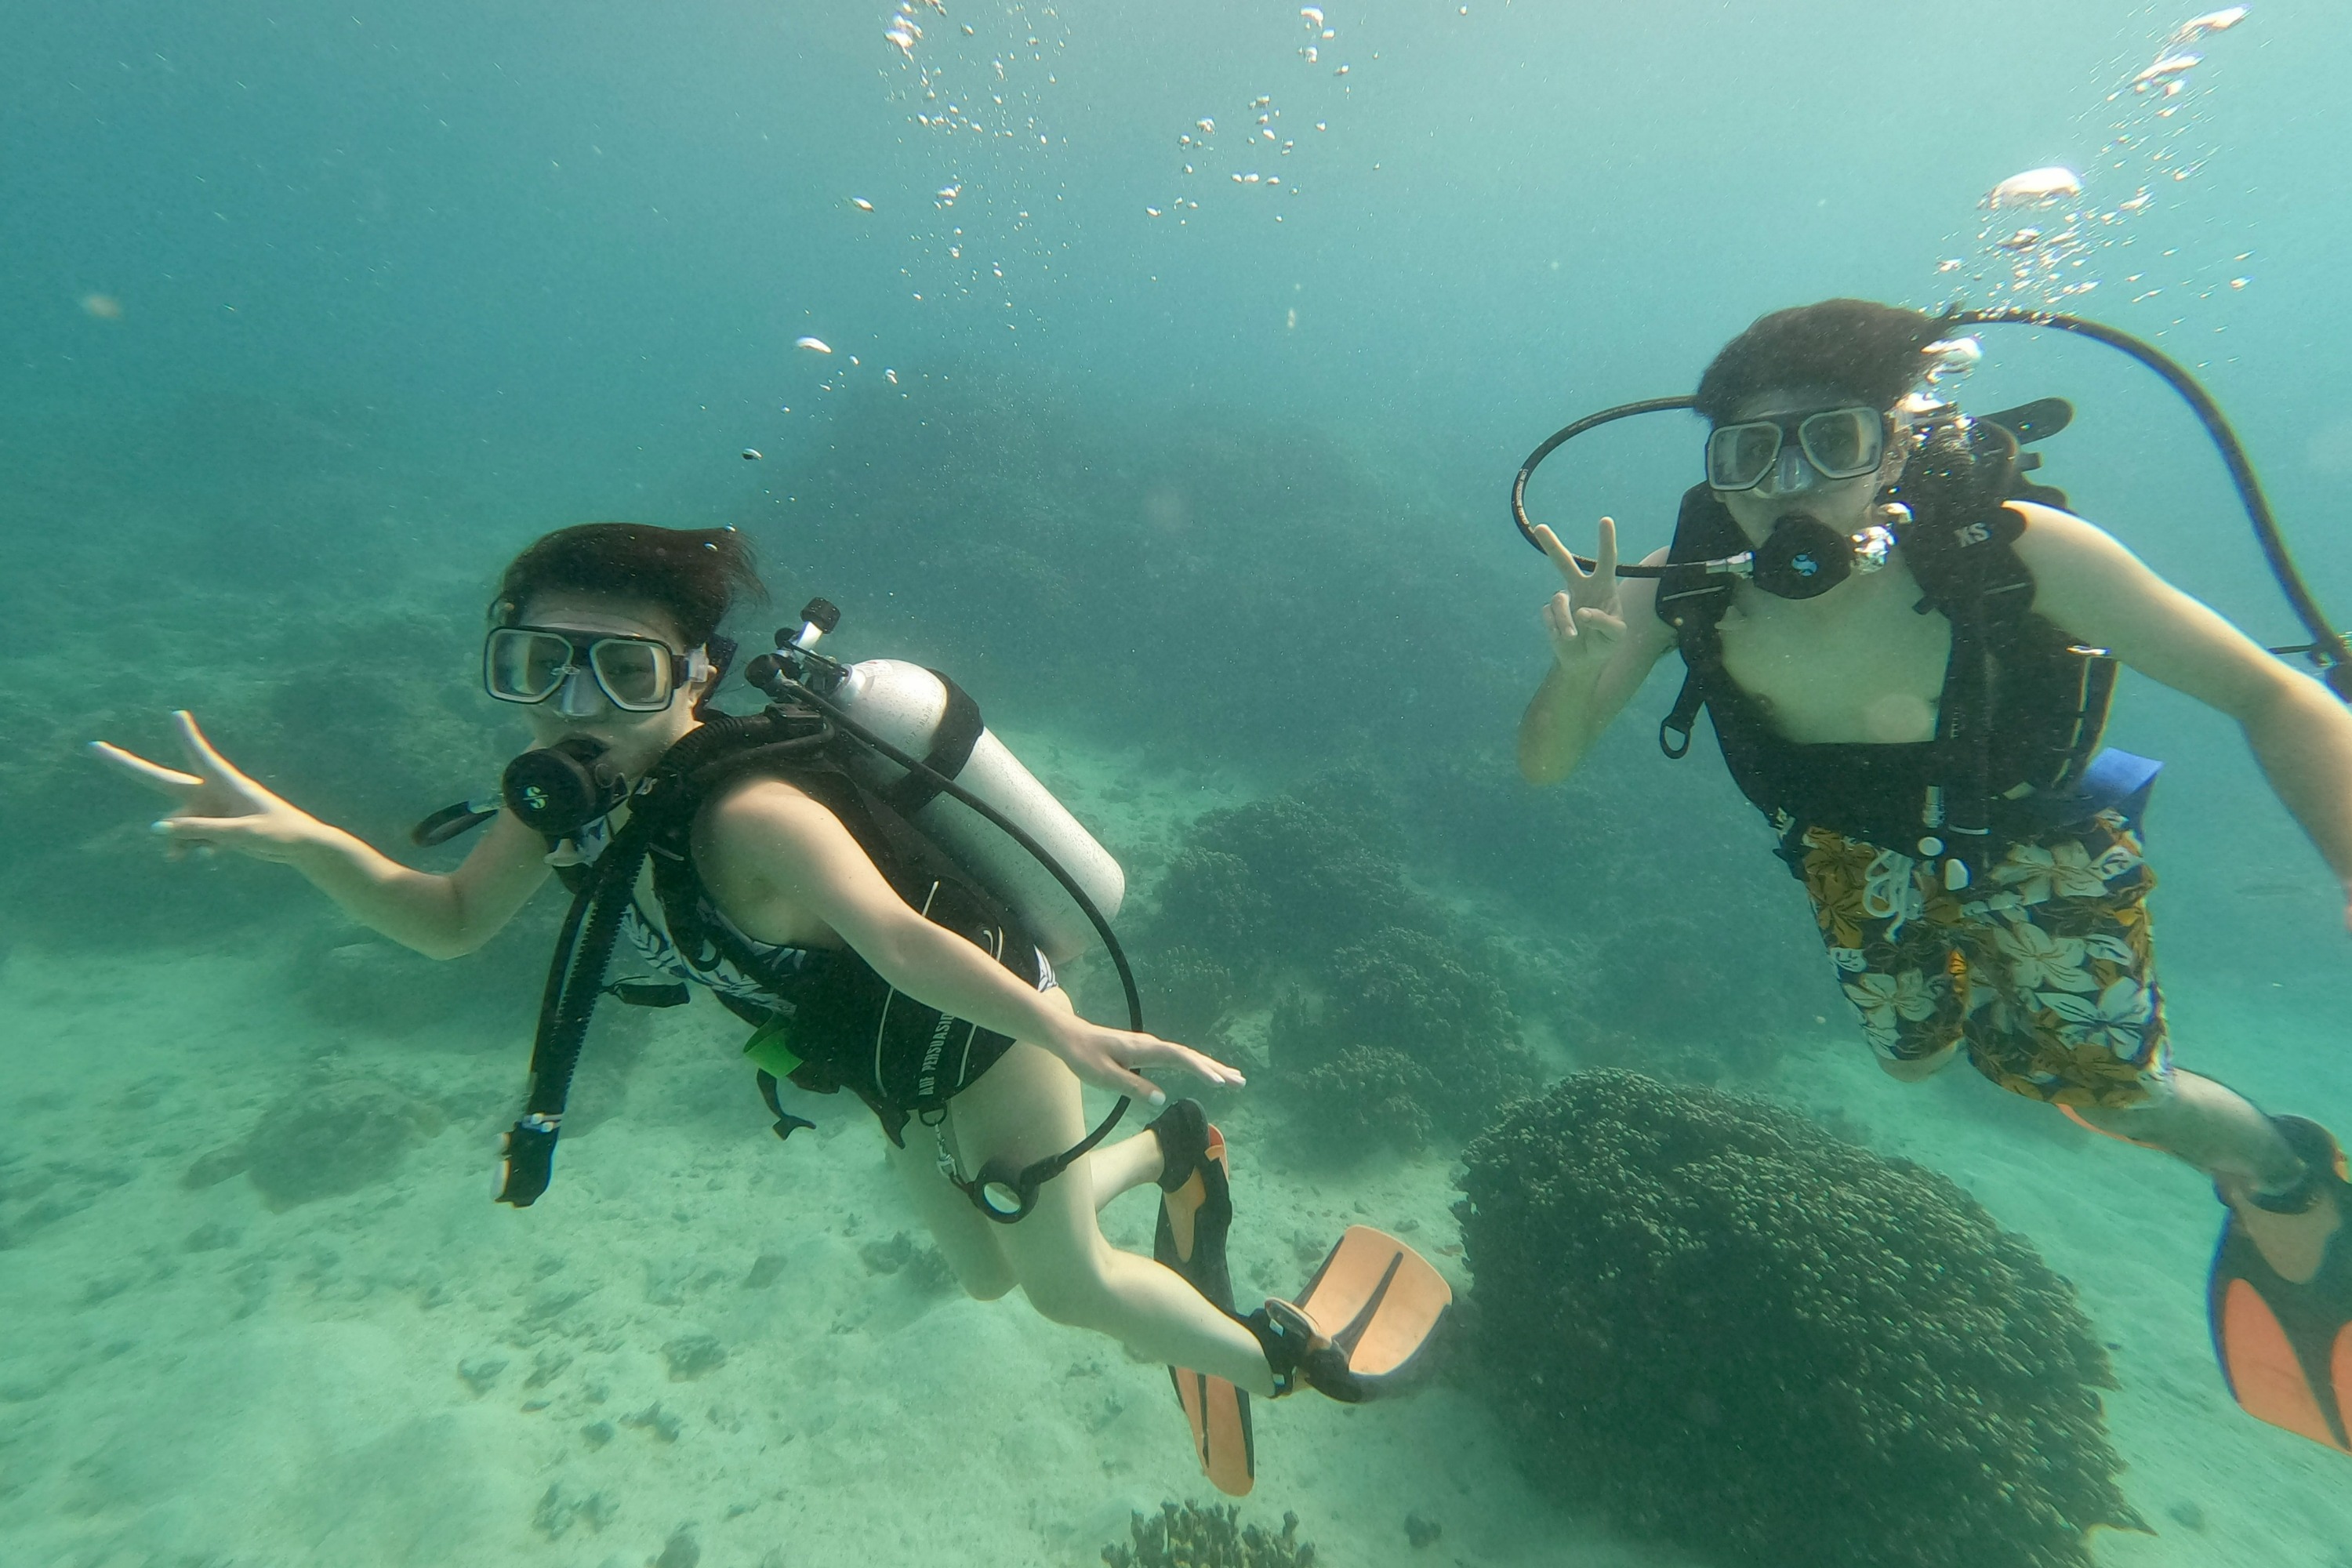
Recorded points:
(216, 805)
(1584, 620)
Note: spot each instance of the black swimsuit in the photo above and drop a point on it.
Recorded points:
(829, 1007)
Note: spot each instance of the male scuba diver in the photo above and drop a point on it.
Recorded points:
(751, 856)
(1906, 651)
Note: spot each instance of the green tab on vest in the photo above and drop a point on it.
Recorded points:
(767, 1050)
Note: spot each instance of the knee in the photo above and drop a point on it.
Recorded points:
(985, 1284)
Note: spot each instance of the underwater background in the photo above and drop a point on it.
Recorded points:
(1166, 384)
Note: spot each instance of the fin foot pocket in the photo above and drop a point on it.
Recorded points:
(1196, 1213)
(2281, 1299)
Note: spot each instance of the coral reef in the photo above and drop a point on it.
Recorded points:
(1720, 1324)
(1402, 1014)
(1366, 1096)
(1185, 991)
(1186, 1535)
(1657, 930)
(1288, 879)
(1386, 1027)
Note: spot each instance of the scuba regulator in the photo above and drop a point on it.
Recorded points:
(556, 791)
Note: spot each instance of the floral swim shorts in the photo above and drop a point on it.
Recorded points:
(2043, 969)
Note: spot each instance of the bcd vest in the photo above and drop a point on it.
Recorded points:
(2022, 705)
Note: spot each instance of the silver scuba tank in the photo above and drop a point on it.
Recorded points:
(908, 705)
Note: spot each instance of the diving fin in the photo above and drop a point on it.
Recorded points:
(1356, 1331)
(1196, 1212)
(2280, 1297)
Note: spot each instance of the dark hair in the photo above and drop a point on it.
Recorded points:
(1866, 351)
(695, 573)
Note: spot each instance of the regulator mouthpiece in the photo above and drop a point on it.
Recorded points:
(558, 790)
(1804, 557)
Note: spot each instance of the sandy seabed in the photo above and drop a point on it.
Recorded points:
(703, 1345)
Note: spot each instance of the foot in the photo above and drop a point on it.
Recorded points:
(1299, 1350)
(1182, 1131)
(2293, 1228)
(2281, 1294)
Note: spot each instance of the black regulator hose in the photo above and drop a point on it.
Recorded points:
(1560, 439)
(2326, 650)
(575, 978)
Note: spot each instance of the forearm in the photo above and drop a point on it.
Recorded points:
(2301, 737)
(943, 970)
(1559, 724)
(416, 909)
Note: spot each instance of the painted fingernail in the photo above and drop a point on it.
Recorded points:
(1156, 1098)
(159, 828)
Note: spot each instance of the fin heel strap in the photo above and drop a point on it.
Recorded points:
(2323, 1167)
(1298, 1351)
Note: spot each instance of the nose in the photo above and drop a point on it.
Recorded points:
(578, 697)
(1790, 471)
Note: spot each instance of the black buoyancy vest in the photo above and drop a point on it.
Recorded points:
(835, 1003)
(769, 747)
(2022, 706)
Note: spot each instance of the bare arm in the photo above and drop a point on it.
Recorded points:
(439, 916)
(2300, 734)
(1604, 641)
(773, 859)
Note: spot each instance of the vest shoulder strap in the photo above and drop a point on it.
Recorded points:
(803, 749)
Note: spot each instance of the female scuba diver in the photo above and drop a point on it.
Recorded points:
(769, 892)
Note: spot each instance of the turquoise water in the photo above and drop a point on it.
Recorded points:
(1198, 482)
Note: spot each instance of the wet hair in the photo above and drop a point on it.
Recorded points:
(695, 573)
(1871, 353)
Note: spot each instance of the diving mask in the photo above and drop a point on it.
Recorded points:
(636, 675)
(1832, 443)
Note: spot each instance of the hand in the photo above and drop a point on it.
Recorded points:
(1584, 620)
(1107, 1059)
(216, 805)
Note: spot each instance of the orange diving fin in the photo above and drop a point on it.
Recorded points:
(1194, 1217)
(1355, 1332)
(2281, 1300)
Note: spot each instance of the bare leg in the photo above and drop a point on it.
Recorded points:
(2212, 1127)
(1026, 1107)
(1123, 1166)
(966, 1238)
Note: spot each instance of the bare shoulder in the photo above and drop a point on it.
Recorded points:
(2082, 573)
(2060, 537)
(2087, 582)
(762, 813)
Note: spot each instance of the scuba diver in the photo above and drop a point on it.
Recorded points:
(766, 859)
(1906, 649)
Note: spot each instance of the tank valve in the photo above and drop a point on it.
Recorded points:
(818, 616)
